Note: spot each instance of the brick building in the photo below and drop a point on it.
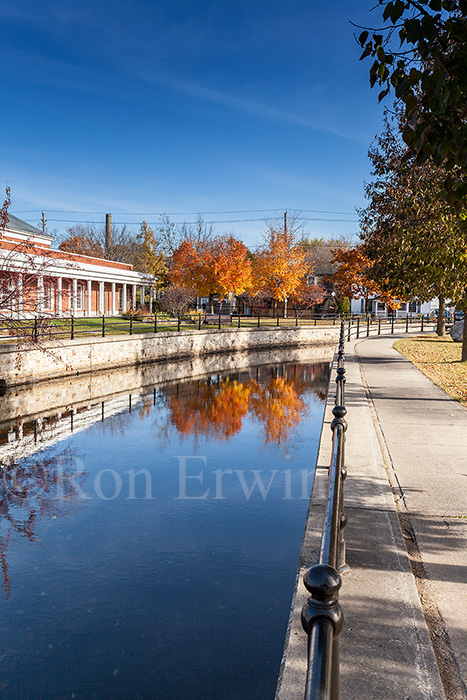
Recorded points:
(38, 280)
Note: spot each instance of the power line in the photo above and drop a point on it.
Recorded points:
(205, 213)
(222, 221)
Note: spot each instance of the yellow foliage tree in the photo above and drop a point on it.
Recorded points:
(280, 265)
(150, 257)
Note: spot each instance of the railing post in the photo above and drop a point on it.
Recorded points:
(348, 336)
(421, 328)
(407, 323)
(199, 322)
(131, 325)
(392, 324)
(296, 317)
(379, 325)
(238, 320)
(367, 326)
(178, 322)
(315, 320)
(358, 327)
(35, 328)
(277, 318)
(258, 319)
(323, 621)
(72, 333)
(155, 323)
(219, 326)
(103, 326)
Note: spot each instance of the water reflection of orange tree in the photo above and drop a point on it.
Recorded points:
(211, 410)
(217, 409)
(31, 490)
(279, 407)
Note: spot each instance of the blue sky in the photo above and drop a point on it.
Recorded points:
(186, 106)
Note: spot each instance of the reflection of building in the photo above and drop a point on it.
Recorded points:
(39, 280)
(22, 438)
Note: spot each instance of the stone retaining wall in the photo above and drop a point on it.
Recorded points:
(23, 365)
(62, 394)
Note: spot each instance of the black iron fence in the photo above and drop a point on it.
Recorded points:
(361, 326)
(48, 327)
(322, 616)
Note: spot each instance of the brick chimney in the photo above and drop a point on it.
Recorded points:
(108, 235)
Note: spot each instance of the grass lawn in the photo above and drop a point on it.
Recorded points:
(440, 359)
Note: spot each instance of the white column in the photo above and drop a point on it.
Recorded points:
(101, 298)
(114, 311)
(134, 296)
(59, 296)
(74, 297)
(150, 299)
(124, 301)
(88, 297)
(40, 293)
(142, 295)
(20, 295)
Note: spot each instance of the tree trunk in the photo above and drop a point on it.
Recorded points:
(211, 303)
(464, 338)
(441, 325)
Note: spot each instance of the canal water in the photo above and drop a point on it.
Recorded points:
(149, 542)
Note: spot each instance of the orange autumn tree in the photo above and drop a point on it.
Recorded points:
(215, 266)
(353, 277)
(82, 240)
(280, 264)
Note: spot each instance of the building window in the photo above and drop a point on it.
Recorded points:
(403, 306)
(48, 296)
(413, 307)
(362, 306)
(381, 306)
(80, 297)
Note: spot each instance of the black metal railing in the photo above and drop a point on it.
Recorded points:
(364, 326)
(72, 327)
(322, 616)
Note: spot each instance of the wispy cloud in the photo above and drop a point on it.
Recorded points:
(253, 107)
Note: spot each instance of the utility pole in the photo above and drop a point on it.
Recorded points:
(44, 221)
(108, 235)
(285, 231)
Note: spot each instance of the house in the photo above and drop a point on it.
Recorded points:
(376, 307)
(38, 280)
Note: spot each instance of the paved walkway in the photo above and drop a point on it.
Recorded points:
(405, 594)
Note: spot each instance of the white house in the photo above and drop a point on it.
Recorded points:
(379, 308)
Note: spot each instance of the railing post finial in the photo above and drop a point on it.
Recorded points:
(339, 412)
(323, 583)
